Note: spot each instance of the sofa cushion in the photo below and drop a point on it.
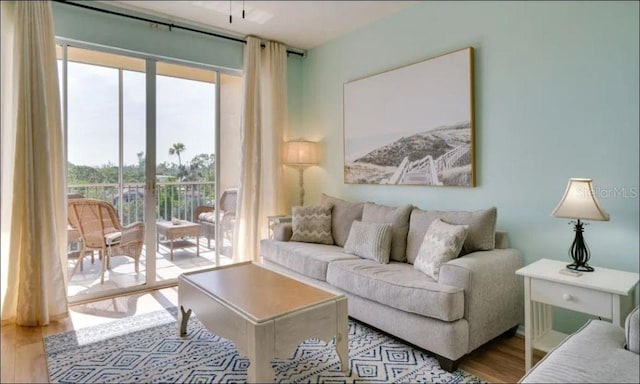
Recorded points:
(442, 243)
(343, 213)
(370, 241)
(312, 224)
(398, 285)
(594, 354)
(399, 219)
(481, 234)
(308, 259)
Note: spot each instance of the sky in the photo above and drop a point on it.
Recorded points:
(185, 113)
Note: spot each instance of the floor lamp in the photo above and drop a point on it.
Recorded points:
(301, 154)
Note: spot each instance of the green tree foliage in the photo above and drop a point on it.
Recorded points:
(173, 200)
(177, 149)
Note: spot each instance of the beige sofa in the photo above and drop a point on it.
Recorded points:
(476, 298)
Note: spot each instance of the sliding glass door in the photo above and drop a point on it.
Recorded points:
(112, 142)
(185, 168)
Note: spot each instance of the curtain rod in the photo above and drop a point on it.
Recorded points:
(169, 25)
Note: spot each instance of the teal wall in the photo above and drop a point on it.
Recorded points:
(116, 31)
(556, 97)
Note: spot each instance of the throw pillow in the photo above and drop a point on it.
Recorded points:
(481, 236)
(441, 243)
(311, 224)
(370, 241)
(343, 214)
(398, 217)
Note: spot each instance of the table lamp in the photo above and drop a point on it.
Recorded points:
(580, 203)
(301, 154)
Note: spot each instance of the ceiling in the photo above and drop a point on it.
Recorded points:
(298, 24)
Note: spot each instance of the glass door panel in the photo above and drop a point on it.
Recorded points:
(105, 131)
(185, 169)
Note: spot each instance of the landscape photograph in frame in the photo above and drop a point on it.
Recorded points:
(412, 125)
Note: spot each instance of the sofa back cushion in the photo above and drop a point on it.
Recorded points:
(311, 224)
(370, 241)
(398, 217)
(343, 213)
(480, 236)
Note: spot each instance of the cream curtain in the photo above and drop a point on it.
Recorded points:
(264, 118)
(33, 176)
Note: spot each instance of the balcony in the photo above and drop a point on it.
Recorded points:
(174, 200)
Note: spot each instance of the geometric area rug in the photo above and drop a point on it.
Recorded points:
(147, 349)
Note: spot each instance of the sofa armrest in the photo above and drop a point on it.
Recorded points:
(283, 231)
(632, 331)
(493, 293)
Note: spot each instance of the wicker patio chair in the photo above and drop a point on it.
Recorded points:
(206, 217)
(100, 229)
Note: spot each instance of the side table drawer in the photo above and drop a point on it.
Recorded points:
(570, 297)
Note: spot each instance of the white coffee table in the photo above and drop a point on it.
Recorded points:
(264, 313)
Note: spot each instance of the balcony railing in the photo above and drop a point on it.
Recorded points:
(173, 199)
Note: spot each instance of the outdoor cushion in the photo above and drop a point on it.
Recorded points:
(308, 259)
(398, 285)
(209, 217)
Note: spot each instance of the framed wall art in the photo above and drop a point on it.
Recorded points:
(412, 125)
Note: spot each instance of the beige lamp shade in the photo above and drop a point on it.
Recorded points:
(579, 202)
(300, 153)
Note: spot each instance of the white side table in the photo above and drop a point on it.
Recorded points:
(599, 293)
(272, 221)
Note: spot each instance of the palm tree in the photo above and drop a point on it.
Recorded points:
(177, 149)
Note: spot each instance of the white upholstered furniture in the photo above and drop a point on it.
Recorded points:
(476, 298)
(607, 293)
(600, 352)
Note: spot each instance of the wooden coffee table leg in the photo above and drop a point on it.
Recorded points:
(342, 338)
(183, 320)
(171, 245)
(261, 350)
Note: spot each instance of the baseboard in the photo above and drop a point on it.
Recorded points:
(520, 330)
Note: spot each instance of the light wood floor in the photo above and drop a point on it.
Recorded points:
(23, 358)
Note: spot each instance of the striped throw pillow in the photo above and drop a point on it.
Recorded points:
(370, 241)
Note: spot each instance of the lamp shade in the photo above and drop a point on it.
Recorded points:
(579, 202)
(300, 153)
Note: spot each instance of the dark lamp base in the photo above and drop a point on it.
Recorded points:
(579, 251)
(581, 268)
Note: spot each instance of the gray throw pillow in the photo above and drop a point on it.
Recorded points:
(343, 214)
(441, 243)
(311, 224)
(370, 241)
(481, 233)
(398, 217)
